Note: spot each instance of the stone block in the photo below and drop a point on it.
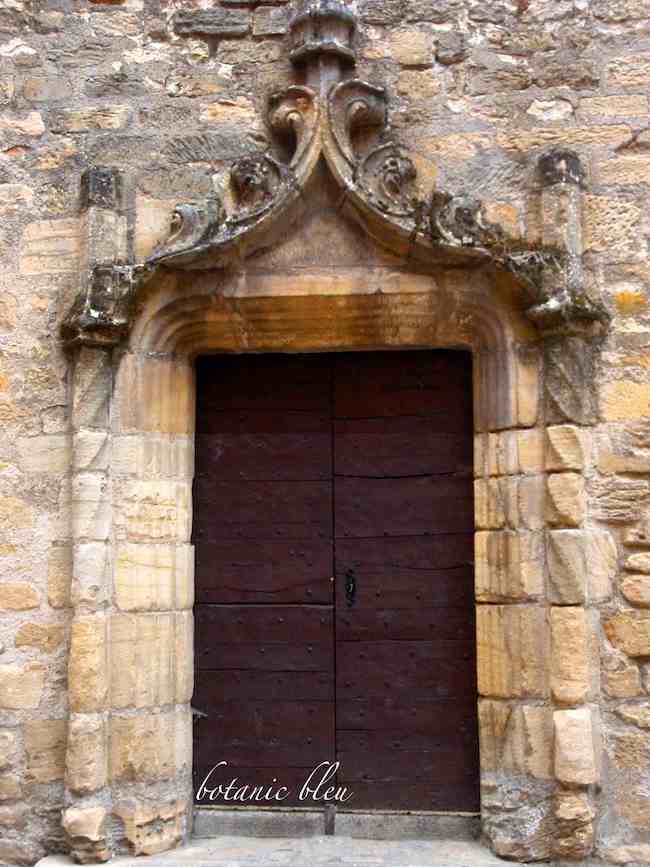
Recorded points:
(629, 70)
(86, 759)
(530, 451)
(30, 124)
(575, 760)
(565, 447)
(240, 110)
(44, 454)
(153, 577)
(142, 748)
(574, 839)
(152, 829)
(629, 631)
(636, 714)
(184, 669)
(14, 817)
(570, 371)
(516, 738)
(570, 671)
(46, 89)
(50, 247)
(151, 456)
(21, 686)
(85, 829)
(508, 566)
(567, 566)
(421, 84)
(19, 596)
(636, 854)
(10, 788)
(90, 118)
(528, 387)
(92, 389)
(91, 575)
(216, 22)
(602, 564)
(59, 576)
(153, 511)
(411, 47)
(153, 216)
(270, 20)
(87, 667)
(565, 505)
(611, 226)
(8, 748)
(620, 676)
(490, 497)
(634, 105)
(90, 451)
(45, 743)
(142, 660)
(526, 502)
(91, 507)
(636, 589)
(608, 135)
(512, 651)
(44, 637)
(639, 562)
(154, 395)
(624, 170)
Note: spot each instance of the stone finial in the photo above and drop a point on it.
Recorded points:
(321, 35)
(561, 166)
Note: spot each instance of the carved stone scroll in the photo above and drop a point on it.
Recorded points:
(344, 120)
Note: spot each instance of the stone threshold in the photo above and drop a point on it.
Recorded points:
(316, 851)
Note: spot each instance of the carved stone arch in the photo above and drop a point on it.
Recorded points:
(136, 328)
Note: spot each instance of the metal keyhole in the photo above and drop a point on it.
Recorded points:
(350, 587)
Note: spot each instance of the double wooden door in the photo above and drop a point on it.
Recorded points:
(333, 520)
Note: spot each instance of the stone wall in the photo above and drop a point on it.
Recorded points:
(168, 92)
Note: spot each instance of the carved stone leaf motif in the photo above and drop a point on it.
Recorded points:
(345, 121)
(259, 194)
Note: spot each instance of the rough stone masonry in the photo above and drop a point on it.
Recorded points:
(96, 451)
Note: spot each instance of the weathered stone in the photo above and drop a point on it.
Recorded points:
(575, 761)
(570, 366)
(156, 511)
(270, 20)
(630, 632)
(85, 829)
(636, 589)
(50, 247)
(638, 563)
(8, 748)
(638, 714)
(516, 738)
(618, 501)
(575, 830)
(239, 110)
(565, 447)
(19, 597)
(418, 83)
(614, 106)
(191, 83)
(44, 454)
(620, 675)
(141, 747)
(629, 750)
(91, 575)
(45, 742)
(566, 136)
(14, 816)
(59, 576)
(91, 118)
(633, 854)
(508, 566)
(87, 668)
(30, 124)
(626, 170)
(632, 70)
(566, 499)
(570, 674)
(46, 638)
(512, 645)
(21, 686)
(611, 226)
(150, 830)
(142, 660)
(90, 451)
(567, 566)
(50, 89)
(152, 577)
(450, 48)
(91, 507)
(86, 759)
(602, 563)
(24, 853)
(411, 47)
(212, 22)
(10, 788)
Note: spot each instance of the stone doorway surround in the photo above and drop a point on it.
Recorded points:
(419, 273)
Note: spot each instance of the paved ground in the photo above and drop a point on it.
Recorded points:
(311, 852)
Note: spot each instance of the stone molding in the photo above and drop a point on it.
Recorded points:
(260, 195)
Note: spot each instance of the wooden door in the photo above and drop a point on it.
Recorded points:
(334, 617)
